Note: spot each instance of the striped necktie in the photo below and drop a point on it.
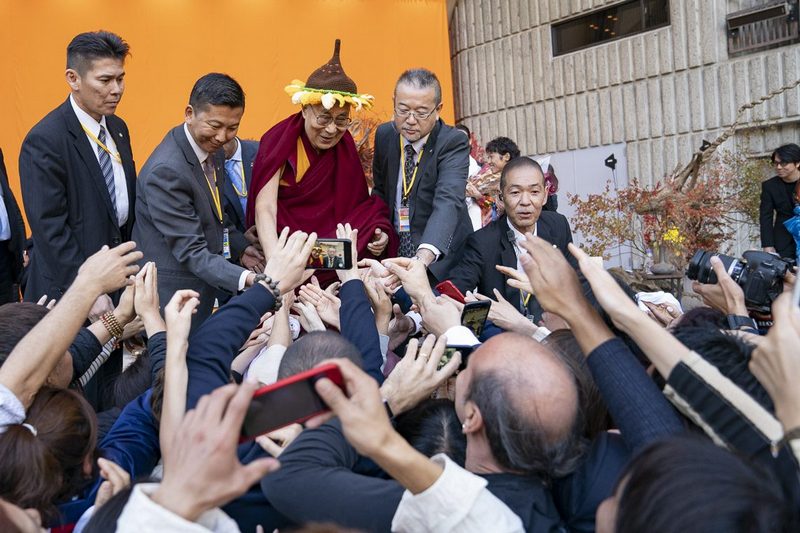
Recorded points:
(108, 170)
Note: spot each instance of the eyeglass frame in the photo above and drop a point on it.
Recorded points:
(783, 164)
(405, 115)
(328, 120)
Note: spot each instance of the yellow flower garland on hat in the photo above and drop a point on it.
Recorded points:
(328, 98)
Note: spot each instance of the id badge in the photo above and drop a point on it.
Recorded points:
(226, 244)
(405, 220)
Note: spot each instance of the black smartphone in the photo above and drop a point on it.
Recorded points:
(474, 315)
(331, 254)
(466, 351)
(291, 400)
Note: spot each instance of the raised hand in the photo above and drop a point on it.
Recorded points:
(287, 264)
(776, 361)
(109, 269)
(726, 295)
(327, 305)
(203, 471)
(344, 231)
(417, 374)
(378, 242)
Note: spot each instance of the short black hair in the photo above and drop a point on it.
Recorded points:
(433, 427)
(16, 320)
(421, 78)
(690, 484)
(313, 348)
(503, 146)
(86, 47)
(517, 162)
(216, 89)
(788, 153)
(464, 128)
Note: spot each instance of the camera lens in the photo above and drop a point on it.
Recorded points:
(700, 267)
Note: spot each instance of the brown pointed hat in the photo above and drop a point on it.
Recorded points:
(329, 85)
(331, 76)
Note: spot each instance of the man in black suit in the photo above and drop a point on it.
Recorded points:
(77, 170)
(777, 201)
(12, 240)
(523, 192)
(420, 170)
(180, 223)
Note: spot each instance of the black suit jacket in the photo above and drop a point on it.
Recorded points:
(66, 199)
(776, 208)
(491, 246)
(232, 205)
(437, 199)
(17, 242)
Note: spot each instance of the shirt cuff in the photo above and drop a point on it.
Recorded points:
(384, 341)
(431, 248)
(243, 279)
(461, 336)
(541, 334)
(417, 318)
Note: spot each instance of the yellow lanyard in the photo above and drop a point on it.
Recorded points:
(526, 299)
(408, 186)
(114, 156)
(243, 192)
(214, 194)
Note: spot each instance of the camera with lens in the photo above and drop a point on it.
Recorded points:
(759, 274)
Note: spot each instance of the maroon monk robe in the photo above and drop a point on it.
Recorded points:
(333, 190)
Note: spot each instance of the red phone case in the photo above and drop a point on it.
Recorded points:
(449, 289)
(329, 370)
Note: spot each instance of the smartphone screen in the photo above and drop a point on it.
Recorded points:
(474, 316)
(292, 400)
(331, 254)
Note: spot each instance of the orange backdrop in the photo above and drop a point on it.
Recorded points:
(264, 44)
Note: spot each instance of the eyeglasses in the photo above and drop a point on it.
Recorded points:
(342, 122)
(782, 163)
(406, 113)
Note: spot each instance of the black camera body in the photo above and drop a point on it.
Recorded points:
(759, 274)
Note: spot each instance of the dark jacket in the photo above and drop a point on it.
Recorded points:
(66, 198)
(491, 246)
(437, 199)
(775, 209)
(17, 242)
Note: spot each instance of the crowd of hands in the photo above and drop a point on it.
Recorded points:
(201, 469)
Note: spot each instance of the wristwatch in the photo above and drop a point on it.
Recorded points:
(739, 321)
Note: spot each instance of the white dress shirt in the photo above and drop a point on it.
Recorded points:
(418, 145)
(518, 235)
(120, 185)
(458, 501)
(202, 155)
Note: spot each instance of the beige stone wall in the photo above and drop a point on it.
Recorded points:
(660, 92)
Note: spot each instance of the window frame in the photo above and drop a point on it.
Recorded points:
(556, 25)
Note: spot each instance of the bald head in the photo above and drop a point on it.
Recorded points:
(528, 401)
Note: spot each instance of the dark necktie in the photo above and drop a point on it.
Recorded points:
(108, 169)
(406, 246)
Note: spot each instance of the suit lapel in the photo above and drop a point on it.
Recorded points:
(393, 163)
(428, 162)
(84, 149)
(197, 169)
(508, 257)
